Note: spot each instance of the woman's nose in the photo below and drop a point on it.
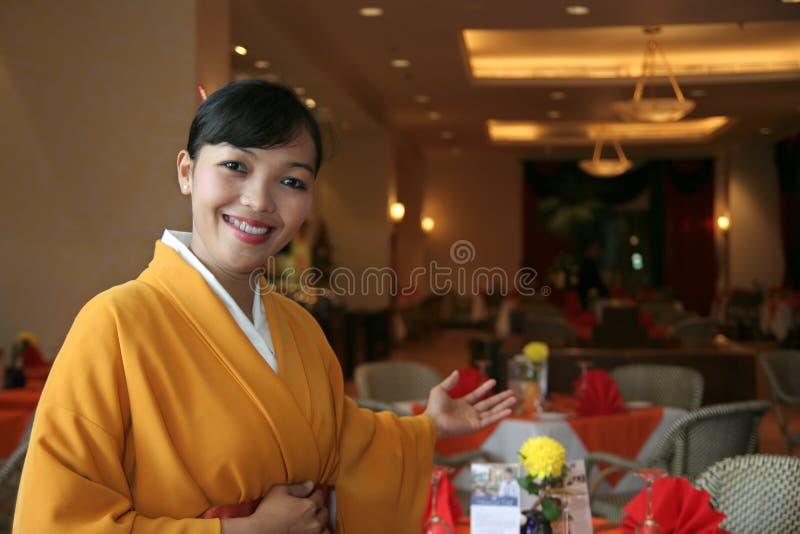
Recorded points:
(258, 197)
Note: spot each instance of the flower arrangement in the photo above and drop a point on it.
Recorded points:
(544, 460)
(536, 351)
(527, 376)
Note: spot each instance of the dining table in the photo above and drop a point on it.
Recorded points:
(600, 526)
(633, 433)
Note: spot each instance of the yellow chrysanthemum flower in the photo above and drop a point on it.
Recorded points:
(543, 457)
(536, 351)
(28, 337)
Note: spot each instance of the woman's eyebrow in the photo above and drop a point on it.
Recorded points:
(306, 166)
(245, 150)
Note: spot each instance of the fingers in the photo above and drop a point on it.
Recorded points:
(302, 490)
(491, 417)
(494, 400)
(318, 499)
(480, 391)
(449, 383)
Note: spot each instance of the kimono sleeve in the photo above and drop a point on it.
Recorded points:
(384, 475)
(74, 478)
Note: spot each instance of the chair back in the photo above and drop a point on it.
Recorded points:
(695, 330)
(554, 331)
(395, 381)
(11, 470)
(782, 368)
(757, 493)
(667, 385)
(709, 434)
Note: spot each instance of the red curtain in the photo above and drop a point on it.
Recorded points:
(540, 246)
(690, 263)
(787, 162)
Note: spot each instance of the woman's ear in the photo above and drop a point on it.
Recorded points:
(185, 172)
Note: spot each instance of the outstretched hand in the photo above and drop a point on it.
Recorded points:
(455, 417)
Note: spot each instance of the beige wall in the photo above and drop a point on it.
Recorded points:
(95, 100)
(351, 194)
(475, 196)
(755, 239)
(410, 175)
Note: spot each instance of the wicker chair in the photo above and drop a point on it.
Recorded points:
(395, 381)
(667, 385)
(690, 445)
(10, 472)
(782, 368)
(757, 493)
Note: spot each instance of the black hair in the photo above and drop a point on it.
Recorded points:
(252, 114)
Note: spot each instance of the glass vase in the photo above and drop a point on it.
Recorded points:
(535, 524)
(528, 380)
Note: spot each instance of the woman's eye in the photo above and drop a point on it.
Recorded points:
(234, 166)
(294, 183)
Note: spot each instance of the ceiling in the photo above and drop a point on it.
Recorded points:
(342, 60)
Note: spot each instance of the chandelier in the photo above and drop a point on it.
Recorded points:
(606, 168)
(654, 109)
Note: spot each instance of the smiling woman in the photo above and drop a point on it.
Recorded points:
(193, 400)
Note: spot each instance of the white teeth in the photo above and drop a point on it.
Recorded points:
(244, 227)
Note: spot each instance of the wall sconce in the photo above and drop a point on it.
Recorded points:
(723, 222)
(397, 211)
(427, 224)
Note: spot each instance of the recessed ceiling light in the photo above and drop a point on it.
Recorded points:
(791, 1)
(698, 93)
(401, 63)
(558, 95)
(577, 10)
(370, 11)
(299, 91)
(262, 64)
(765, 131)
(553, 114)
(422, 99)
(271, 77)
(239, 49)
(447, 134)
(434, 115)
(310, 103)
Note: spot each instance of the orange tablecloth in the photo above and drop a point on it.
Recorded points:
(623, 433)
(599, 525)
(26, 399)
(12, 425)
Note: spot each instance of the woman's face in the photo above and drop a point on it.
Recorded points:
(247, 203)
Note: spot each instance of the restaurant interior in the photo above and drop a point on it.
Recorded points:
(595, 203)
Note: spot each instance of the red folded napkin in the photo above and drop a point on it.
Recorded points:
(32, 357)
(447, 506)
(597, 394)
(469, 378)
(678, 507)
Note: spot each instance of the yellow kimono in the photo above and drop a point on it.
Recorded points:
(158, 407)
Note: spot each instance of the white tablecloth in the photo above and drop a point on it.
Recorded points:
(504, 443)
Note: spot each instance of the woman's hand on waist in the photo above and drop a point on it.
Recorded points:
(285, 509)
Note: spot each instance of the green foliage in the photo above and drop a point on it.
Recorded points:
(551, 509)
(580, 219)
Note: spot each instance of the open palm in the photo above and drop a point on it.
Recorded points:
(455, 417)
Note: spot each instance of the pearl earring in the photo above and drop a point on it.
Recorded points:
(186, 186)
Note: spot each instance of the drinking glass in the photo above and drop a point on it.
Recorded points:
(523, 381)
(649, 525)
